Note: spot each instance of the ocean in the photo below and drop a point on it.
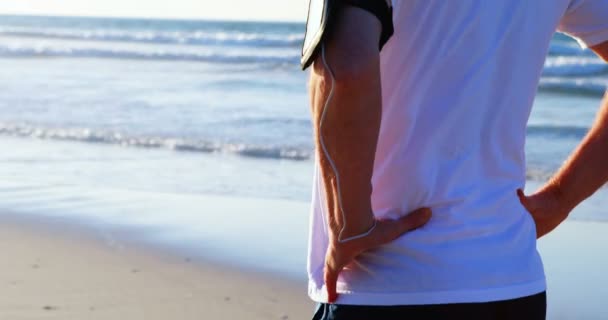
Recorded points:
(139, 123)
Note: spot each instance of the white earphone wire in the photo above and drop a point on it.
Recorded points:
(331, 162)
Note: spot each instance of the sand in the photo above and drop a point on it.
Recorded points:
(47, 275)
(576, 265)
(51, 269)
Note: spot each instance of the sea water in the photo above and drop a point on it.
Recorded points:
(163, 124)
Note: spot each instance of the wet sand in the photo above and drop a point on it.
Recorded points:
(47, 275)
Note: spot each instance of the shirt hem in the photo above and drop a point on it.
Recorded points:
(426, 298)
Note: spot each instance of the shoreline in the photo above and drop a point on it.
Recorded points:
(60, 271)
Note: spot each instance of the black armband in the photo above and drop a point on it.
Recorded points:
(323, 13)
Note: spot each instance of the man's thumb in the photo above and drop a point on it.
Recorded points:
(524, 200)
(331, 280)
(415, 219)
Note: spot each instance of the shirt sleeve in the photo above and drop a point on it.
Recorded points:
(586, 21)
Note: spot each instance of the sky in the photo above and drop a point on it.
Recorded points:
(265, 10)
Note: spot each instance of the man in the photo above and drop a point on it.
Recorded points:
(436, 121)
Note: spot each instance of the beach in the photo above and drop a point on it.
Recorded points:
(54, 269)
(575, 266)
(54, 273)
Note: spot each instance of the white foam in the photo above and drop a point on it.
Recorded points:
(592, 86)
(44, 49)
(574, 66)
(87, 135)
(199, 37)
(559, 48)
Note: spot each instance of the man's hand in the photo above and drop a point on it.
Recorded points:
(585, 171)
(546, 207)
(339, 255)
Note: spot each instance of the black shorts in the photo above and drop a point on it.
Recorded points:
(527, 308)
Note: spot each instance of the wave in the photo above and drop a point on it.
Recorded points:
(162, 37)
(542, 173)
(45, 50)
(574, 66)
(87, 135)
(583, 86)
(180, 144)
(568, 49)
(539, 174)
(558, 130)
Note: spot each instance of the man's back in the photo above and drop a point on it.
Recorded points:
(458, 82)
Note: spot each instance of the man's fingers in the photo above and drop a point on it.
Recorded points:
(331, 279)
(527, 202)
(393, 229)
(414, 220)
(523, 199)
(530, 207)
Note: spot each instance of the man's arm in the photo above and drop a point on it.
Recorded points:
(582, 174)
(346, 99)
(352, 120)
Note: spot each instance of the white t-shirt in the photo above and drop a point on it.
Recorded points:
(459, 79)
